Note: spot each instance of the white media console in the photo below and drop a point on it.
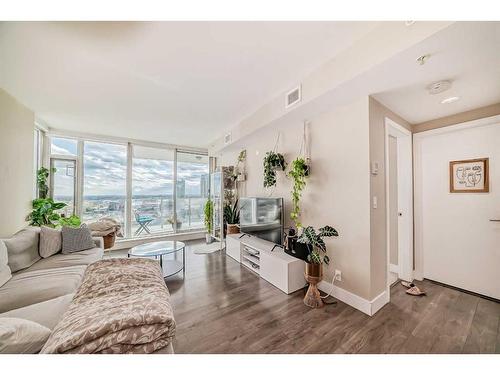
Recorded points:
(275, 266)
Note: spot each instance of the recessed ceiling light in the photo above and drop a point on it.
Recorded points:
(449, 100)
(409, 23)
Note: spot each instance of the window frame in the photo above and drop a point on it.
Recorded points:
(129, 143)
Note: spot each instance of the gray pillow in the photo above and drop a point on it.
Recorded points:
(19, 336)
(5, 273)
(50, 242)
(76, 239)
(22, 248)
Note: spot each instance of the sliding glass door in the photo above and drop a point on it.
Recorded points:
(152, 191)
(192, 190)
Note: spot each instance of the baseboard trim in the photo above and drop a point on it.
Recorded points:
(359, 303)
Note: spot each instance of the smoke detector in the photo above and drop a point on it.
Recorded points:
(438, 87)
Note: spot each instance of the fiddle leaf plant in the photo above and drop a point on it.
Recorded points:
(298, 173)
(315, 244)
(273, 161)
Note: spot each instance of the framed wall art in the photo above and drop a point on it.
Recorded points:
(469, 176)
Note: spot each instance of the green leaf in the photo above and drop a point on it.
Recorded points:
(328, 231)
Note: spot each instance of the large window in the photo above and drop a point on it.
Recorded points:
(104, 181)
(192, 189)
(149, 190)
(152, 191)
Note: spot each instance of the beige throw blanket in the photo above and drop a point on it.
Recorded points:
(122, 306)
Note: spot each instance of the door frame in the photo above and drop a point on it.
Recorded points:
(405, 203)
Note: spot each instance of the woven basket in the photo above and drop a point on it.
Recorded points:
(109, 240)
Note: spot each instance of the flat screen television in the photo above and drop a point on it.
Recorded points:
(262, 217)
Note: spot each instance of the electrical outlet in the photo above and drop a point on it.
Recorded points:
(338, 275)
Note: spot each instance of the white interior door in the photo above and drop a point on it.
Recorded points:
(457, 240)
(399, 202)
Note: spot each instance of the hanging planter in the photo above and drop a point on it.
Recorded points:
(298, 173)
(273, 161)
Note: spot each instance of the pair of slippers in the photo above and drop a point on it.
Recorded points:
(412, 289)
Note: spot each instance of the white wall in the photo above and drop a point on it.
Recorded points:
(338, 190)
(455, 242)
(16, 163)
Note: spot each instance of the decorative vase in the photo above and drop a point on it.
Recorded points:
(233, 229)
(313, 275)
(208, 237)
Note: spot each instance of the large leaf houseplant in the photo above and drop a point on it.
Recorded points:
(316, 247)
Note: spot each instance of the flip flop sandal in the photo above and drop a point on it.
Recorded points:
(406, 284)
(414, 291)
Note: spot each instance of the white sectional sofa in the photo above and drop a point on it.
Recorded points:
(41, 289)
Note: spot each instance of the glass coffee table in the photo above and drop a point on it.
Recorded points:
(158, 250)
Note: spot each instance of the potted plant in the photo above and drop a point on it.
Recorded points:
(273, 161)
(175, 226)
(315, 259)
(42, 176)
(44, 212)
(209, 212)
(238, 173)
(232, 217)
(298, 172)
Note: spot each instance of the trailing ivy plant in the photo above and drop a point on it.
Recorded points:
(273, 161)
(315, 243)
(298, 173)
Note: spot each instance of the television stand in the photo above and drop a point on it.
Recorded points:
(267, 260)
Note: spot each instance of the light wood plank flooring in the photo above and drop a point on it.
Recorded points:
(221, 307)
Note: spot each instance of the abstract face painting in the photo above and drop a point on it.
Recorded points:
(469, 176)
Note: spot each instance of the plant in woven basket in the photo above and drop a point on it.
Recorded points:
(273, 161)
(315, 243)
(298, 173)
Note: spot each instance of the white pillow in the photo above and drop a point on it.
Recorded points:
(5, 273)
(18, 336)
(50, 241)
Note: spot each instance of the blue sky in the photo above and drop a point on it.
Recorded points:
(105, 167)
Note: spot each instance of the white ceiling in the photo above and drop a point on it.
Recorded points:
(467, 53)
(174, 82)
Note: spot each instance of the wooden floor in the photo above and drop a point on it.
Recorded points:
(221, 307)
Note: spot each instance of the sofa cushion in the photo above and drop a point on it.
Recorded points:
(47, 313)
(76, 239)
(50, 242)
(5, 273)
(81, 258)
(27, 288)
(22, 248)
(19, 336)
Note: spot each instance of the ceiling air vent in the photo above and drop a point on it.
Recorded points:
(438, 87)
(293, 97)
(227, 138)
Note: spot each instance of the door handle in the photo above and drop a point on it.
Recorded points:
(400, 214)
(494, 219)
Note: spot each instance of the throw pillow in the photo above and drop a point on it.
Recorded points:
(5, 273)
(22, 248)
(50, 242)
(76, 239)
(19, 336)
